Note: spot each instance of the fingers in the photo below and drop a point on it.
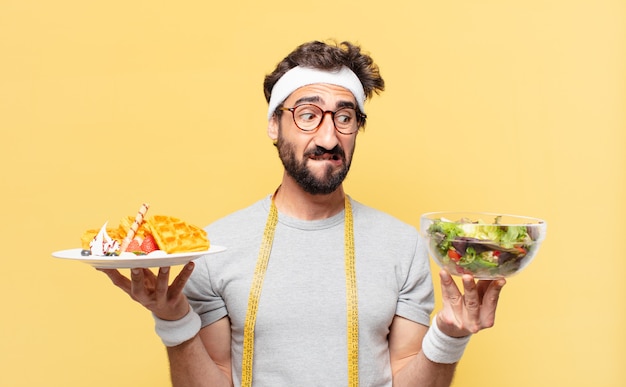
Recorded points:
(142, 285)
(118, 279)
(490, 301)
(162, 281)
(153, 290)
(461, 310)
(147, 285)
(474, 309)
(472, 301)
(451, 316)
(450, 292)
(181, 279)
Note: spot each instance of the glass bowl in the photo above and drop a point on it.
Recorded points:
(486, 245)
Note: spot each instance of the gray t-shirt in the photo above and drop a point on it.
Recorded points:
(300, 333)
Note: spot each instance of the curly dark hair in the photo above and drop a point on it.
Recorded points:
(329, 56)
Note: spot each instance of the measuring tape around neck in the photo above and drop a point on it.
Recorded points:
(257, 285)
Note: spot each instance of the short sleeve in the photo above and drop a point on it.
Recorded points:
(203, 298)
(416, 299)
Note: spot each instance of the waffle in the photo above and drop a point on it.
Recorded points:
(175, 236)
(125, 225)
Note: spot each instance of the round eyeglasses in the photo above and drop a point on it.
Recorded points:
(309, 117)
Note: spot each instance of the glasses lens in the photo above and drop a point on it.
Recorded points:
(308, 117)
(345, 120)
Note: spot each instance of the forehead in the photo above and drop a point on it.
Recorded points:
(321, 93)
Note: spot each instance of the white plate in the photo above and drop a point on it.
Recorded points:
(154, 259)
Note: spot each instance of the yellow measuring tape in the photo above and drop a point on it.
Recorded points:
(257, 285)
(352, 299)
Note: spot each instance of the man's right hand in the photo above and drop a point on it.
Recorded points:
(167, 302)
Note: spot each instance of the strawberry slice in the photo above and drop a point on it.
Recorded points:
(133, 246)
(149, 244)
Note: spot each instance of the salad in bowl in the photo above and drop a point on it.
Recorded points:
(486, 245)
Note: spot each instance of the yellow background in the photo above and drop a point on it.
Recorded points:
(491, 105)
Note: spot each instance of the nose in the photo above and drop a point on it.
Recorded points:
(326, 134)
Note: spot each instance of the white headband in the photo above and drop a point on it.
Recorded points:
(303, 76)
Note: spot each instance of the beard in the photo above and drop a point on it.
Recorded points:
(331, 178)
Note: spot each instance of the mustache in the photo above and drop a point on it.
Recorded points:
(320, 150)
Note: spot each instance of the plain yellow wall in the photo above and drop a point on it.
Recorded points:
(509, 106)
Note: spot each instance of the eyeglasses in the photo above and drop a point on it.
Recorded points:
(308, 118)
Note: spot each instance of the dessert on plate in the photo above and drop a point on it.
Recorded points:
(141, 235)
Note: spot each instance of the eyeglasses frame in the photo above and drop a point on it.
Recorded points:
(360, 117)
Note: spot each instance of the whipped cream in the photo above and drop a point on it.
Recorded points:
(103, 244)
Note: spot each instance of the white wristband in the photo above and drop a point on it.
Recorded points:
(174, 333)
(441, 348)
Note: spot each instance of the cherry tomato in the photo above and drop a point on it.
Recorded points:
(454, 255)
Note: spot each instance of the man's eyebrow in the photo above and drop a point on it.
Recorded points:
(346, 104)
(315, 98)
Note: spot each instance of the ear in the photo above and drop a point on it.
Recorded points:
(272, 128)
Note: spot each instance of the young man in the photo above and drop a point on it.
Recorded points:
(315, 289)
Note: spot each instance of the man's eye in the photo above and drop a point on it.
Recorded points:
(343, 118)
(307, 116)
